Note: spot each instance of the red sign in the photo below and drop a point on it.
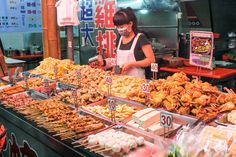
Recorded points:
(74, 93)
(146, 88)
(201, 49)
(166, 120)
(105, 10)
(109, 80)
(154, 67)
(78, 74)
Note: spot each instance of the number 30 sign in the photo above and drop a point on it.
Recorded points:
(166, 120)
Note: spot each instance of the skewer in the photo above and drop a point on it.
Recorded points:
(105, 150)
(93, 146)
(79, 145)
(72, 136)
(79, 141)
(98, 149)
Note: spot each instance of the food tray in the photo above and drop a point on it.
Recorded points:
(38, 85)
(222, 120)
(145, 149)
(10, 90)
(117, 101)
(177, 122)
(16, 101)
(188, 118)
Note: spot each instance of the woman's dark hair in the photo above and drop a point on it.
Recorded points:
(125, 16)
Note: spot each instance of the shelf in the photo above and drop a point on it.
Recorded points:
(225, 38)
(227, 49)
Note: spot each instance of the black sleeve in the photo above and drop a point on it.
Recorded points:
(138, 52)
(143, 40)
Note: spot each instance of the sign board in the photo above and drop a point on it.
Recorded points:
(109, 80)
(154, 67)
(166, 120)
(20, 16)
(201, 48)
(96, 27)
(111, 105)
(146, 87)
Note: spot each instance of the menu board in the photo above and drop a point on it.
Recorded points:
(20, 16)
(201, 49)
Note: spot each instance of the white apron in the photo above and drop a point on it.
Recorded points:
(127, 56)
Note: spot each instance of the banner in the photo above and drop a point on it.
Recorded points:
(201, 48)
(20, 16)
(97, 28)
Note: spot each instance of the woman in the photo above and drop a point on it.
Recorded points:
(134, 51)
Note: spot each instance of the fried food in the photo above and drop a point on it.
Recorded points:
(122, 110)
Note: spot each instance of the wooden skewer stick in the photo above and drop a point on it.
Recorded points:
(93, 146)
(72, 136)
(80, 141)
(79, 145)
(98, 149)
(105, 150)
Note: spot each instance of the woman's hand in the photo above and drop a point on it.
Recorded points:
(126, 67)
(100, 60)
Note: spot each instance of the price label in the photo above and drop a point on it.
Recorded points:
(166, 120)
(113, 61)
(154, 67)
(109, 80)
(25, 75)
(78, 74)
(146, 88)
(55, 69)
(111, 105)
(46, 83)
(74, 93)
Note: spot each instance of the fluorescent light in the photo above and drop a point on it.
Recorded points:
(143, 11)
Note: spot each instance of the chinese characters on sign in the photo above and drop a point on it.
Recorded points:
(201, 49)
(20, 15)
(98, 22)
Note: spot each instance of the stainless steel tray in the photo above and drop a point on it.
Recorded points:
(147, 148)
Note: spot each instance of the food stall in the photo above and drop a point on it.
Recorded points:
(69, 110)
(60, 108)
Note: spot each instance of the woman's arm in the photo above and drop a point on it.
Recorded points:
(105, 63)
(150, 58)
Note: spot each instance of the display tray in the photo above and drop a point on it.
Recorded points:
(156, 129)
(118, 141)
(61, 129)
(9, 90)
(123, 108)
(36, 83)
(62, 147)
(223, 120)
(17, 100)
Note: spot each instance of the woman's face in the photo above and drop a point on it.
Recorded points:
(124, 30)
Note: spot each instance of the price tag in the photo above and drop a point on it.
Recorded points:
(55, 69)
(25, 74)
(166, 120)
(74, 93)
(113, 61)
(146, 88)
(154, 67)
(78, 74)
(109, 80)
(46, 83)
(111, 105)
